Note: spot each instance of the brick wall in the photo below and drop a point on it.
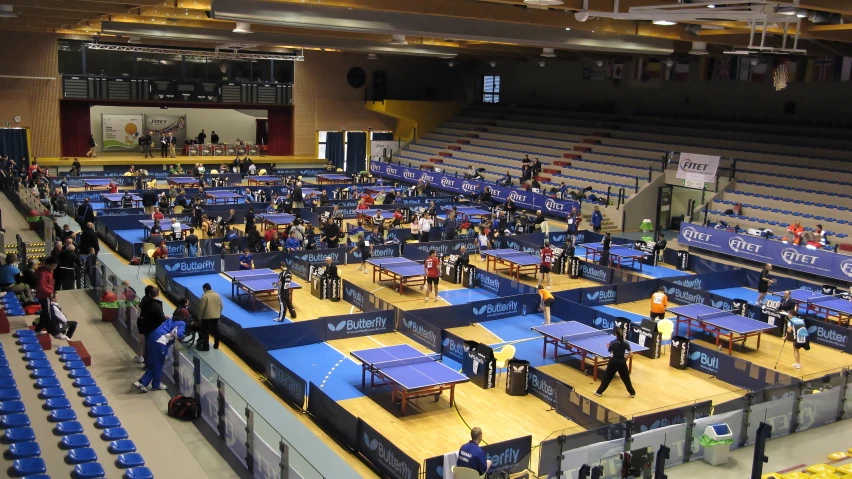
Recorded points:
(35, 101)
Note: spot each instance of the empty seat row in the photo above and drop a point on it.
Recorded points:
(787, 199)
(787, 212)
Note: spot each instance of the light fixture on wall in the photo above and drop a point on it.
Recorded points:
(543, 3)
(599, 63)
(451, 64)
(398, 40)
(664, 22)
(372, 56)
(492, 63)
(542, 63)
(243, 27)
(669, 62)
(754, 62)
(548, 53)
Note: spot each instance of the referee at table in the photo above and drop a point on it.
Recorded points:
(472, 456)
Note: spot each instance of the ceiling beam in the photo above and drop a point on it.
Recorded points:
(95, 9)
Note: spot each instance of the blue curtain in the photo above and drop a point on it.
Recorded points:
(356, 152)
(13, 143)
(334, 148)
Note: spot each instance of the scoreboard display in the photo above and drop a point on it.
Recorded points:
(105, 88)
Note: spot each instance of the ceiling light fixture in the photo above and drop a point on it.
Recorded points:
(492, 63)
(398, 40)
(543, 3)
(243, 27)
(802, 14)
(567, 29)
(548, 53)
(451, 64)
(664, 22)
(599, 63)
(6, 12)
(542, 63)
(711, 6)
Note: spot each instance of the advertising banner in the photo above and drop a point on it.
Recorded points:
(388, 458)
(163, 125)
(697, 169)
(121, 132)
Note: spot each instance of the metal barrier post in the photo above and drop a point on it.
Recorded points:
(220, 404)
(285, 460)
(636, 187)
(249, 439)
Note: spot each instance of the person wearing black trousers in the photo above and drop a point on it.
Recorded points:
(620, 350)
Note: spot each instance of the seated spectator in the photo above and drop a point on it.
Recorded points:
(536, 186)
(471, 172)
(158, 215)
(794, 233)
(64, 329)
(162, 252)
(25, 283)
(182, 310)
(293, 243)
(362, 205)
(112, 187)
(9, 270)
(177, 229)
(738, 209)
(507, 180)
(536, 167)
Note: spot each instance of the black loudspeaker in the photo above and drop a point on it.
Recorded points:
(380, 80)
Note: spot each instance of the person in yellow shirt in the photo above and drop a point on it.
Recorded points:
(659, 303)
(546, 302)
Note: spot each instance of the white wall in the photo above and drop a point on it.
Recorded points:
(228, 124)
(681, 197)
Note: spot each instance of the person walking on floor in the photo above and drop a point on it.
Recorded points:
(211, 311)
(620, 351)
(285, 303)
(91, 153)
(151, 316)
(156, 348)
(659, 303)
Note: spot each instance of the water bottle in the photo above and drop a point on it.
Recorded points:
(524, 310)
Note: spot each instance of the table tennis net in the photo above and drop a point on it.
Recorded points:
(264, 276)
(823, 299)
(714, 314)
(394, 363)
(568, 338)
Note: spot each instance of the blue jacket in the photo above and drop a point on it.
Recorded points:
(168, 331)
(597, 218)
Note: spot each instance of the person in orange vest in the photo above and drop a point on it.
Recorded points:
(546, 302)
(659, 303)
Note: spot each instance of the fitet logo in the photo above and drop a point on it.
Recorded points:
(692, 166)
(846, 267)
(741, 245)
(515, 196)
(792, 256)
(375, 167)
(447, 182)
(408, 175)
(469, 187)
(388, 458)
(692, 234)
(391, 171)
(554, 205)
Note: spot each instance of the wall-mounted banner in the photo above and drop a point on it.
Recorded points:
(507, 456)
(121, 132)
(287, 383)
(191, 266)
(385, 455)
(163, 125)
(363, 324)
(421, 331)
(762, 250)
(697, 169)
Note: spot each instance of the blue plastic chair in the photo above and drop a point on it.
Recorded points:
(6, 383)
(68, 428)
(42, 373)
(51, 393)
(101, 411)
(133, 459)
(6, 373)
(107, 422)
(27, 340)
(114, 434)
(74, 441)
(38, 364)
(4, 363)
(84, 382)
(20, 333)
(57, 403)
(74, 365)
(123, 446)
(35, 355)
(8, 421)
(139, 473)
(90, 391)
(26, 348)
(65, 350)
(91, 401)
(69, 357)
(79, 373)
(12, 407)
(22, 450)
(47, 383)
(9, 395)
(81, 455)
(18, 434)
(29, 466)
(89, 470)
(62, 415)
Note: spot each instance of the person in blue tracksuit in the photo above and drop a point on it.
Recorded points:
(597, 220)
(156, 347)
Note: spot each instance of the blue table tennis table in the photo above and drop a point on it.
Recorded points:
(215, 196)
(410, 373)
(469, 212)
(517, 262)
(264, 180)
(278, 221)
(166, 225)
(827, 307)
(330, 178)
(584, 342)
(184, 181)
(380, 189)
(93, 184)
(113, 198)
(617, 254)
(400, 271)
(721, 324)
(255, 283)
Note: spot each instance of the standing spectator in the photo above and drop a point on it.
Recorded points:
(425, 225)
(90, 265)
(285, 300)
(541, 223)
(211, 310)
(69, 265)
(248, 217)
(201, 137)
(172, 142)
(149, 201)
(164, 145)
(331, 233)
(214, 138)
(450, 226)
(85, 212)
(76, 167)
(605, 245)
(156, 348)
(597, 220)
(44, 290)
(89, 238)
(91, 153)
(151, 316)
(763, 283)
(296, 195)
(146, 141)
(659, 247)
(191, 244)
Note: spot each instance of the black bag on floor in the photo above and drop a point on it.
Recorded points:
(184, 408)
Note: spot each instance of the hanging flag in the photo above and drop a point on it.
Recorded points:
(823, 69)
(726, 68)
(617, 71)
(639, 73)
(705, 67)
(681, 72)
(652, 70)
(758, 72)
(743, 69)
(846, 69)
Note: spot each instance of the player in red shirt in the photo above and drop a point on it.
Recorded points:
(113, 188)
(546, 262)
(432, 267)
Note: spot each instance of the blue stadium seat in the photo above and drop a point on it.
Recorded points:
(12, 407)
(9, 395)
(62, 415)
(21, 450)
(81, 455)
(27, 340)
(38, 364)
(69, 357)
(114, 434)
(90, 470)
(4, 363)
(18, 434)
(79, 373)
(57, 403)
(65, 350)
(139, 473)
(6, 373)
(91, 401)
(90, 391)
(47, 383)
(23, 333)
(74, 441)
(67, 428)
(42, 373)
(26, 348)
(6, 383)
(14, 420)
(35, 355)
(107, 422)
(123, 446)
(29, 466)
(74, 365)
(101, 411)
(84, 382)
(133, 459)
(51, 393)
